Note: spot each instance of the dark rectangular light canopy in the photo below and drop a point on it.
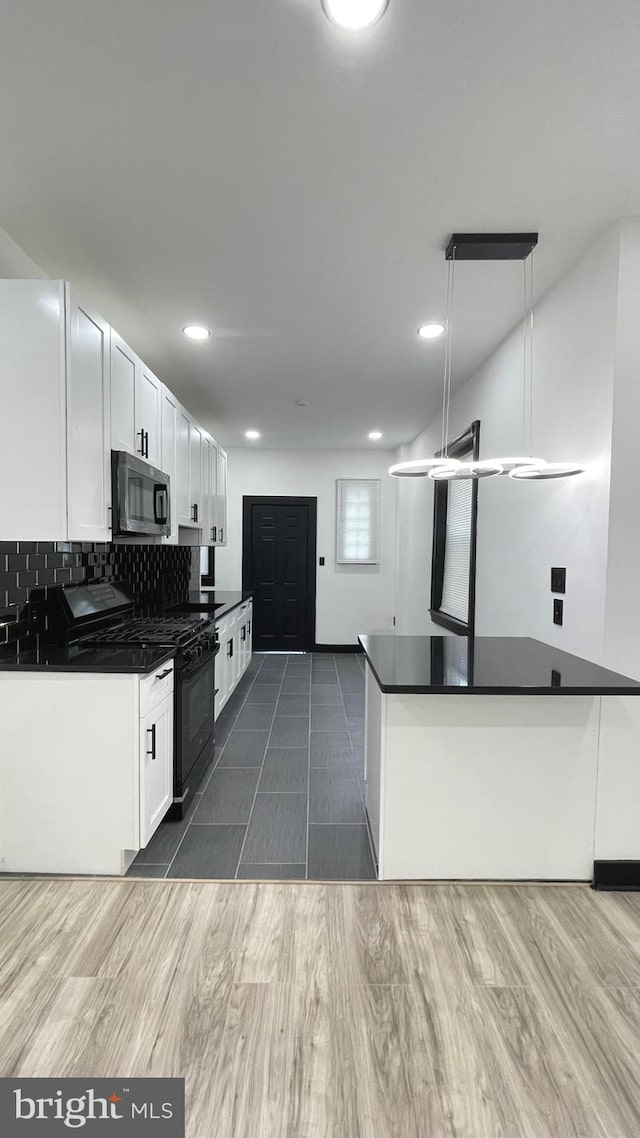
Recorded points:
(491, 246)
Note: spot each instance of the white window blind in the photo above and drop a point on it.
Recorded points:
(358, 521)
(457, 550)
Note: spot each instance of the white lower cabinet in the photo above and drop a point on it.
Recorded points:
(89, 794)
(156, 768)
(234, 657)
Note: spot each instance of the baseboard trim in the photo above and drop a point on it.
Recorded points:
(616, 875)
(337, 648)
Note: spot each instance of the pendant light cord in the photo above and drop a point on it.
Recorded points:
(527, 361)
(531, 255)
(446, 384)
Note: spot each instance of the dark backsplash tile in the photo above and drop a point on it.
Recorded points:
(159, 575)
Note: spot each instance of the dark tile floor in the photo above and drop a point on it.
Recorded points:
(284, 797)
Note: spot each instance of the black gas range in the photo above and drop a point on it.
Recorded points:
(103, 615)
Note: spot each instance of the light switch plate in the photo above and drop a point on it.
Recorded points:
(558, 580)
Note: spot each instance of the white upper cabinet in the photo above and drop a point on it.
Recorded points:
(136, 404)
(54, 382)
(197, 436)
(149, 414)
(221, 497)
(169, 457)
(182, 499)
(124, 369)
(73, 391)
(209, 482)
(88, 425)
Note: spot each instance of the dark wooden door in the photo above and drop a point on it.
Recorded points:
(279, 566)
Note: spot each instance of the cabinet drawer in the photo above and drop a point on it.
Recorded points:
(156, 687)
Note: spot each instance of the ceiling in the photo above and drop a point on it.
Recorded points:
(244, 164)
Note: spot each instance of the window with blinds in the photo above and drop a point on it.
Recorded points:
(457, 551)
(454, 523)
(358, 521)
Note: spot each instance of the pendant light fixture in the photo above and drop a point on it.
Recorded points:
(490, 247)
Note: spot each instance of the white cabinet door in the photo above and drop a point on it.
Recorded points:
(209, 483)
(124, 379)
(183, 475)
(33, 473)
(221, 498)
(149, 415)
(156, 768)
(169, 457)
(196, 474)
(221, 680)
(88, 424)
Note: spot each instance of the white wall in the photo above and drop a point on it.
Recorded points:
(350, 599)
(525, 527)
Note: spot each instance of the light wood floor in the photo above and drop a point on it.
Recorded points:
(335, 1011)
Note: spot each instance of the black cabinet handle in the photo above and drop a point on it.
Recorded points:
(146, 444)
(221, 533)
(230, 649)
(141, 433)
(152, 731)
(194, 512)
(214, 533)
(244, 632)
(163, 675)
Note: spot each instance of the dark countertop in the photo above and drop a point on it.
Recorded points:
(486, 665)
(76, 658)
(217, 601)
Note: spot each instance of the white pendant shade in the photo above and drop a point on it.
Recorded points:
(540, 471)
(421, 467)
(509, 464)
(485, 469)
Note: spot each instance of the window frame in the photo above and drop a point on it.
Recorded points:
(354, 562)
(465, 445)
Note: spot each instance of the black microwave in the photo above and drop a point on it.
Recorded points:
(140, 496)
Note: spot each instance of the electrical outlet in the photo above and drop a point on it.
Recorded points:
(558, 611)
(322, 560)
(394, 622)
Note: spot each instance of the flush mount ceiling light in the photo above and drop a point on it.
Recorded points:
(252, 434)
(430, 331)
(301, 402)
(489, 247)
(196, 332)
(375, 435)
(354, 14)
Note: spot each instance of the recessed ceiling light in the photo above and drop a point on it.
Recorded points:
(430, 331)
(354, 14)
(301, 402)
(375, 434)
(196, 332)
(252, 434)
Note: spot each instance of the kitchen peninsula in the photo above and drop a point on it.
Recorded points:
(491, 758)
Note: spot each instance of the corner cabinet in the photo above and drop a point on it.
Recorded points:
(234, 657)
(112, 736)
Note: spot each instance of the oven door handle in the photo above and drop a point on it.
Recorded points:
(199, 663)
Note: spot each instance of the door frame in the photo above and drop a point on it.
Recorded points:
(250, 500)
